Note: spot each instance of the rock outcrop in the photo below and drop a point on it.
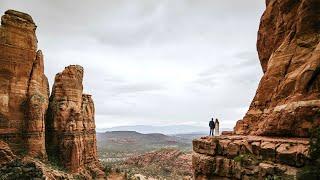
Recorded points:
(271, 140)
(23, 86)
(248, 157)
(15, 167)
(287, 102)
(24, 99)
(70, 124)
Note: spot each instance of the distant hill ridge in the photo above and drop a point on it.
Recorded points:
(168, 130)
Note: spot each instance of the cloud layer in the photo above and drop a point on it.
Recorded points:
(154, 62)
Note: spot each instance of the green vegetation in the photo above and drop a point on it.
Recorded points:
(312, 170)
(117, 147)
(246, 159)
(55, 163)
(163, 165)
(107, 169)
(273, 177)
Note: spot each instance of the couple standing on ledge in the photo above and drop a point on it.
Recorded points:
(214, 126)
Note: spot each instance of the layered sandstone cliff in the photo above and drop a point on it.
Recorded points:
(27, 131)
(271, 141)
(70, 124)
(287, 102)
(23, 86)
(249, 157)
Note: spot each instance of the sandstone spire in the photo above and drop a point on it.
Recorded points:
(70, 123)
(26, 128)
(23, 86)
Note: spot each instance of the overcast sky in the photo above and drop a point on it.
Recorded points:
(158, 62)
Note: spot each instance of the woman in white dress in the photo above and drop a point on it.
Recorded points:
(216, 128)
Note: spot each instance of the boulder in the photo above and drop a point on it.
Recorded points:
(205, 146)
(204, 166)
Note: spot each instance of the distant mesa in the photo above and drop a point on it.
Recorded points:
(169, 130)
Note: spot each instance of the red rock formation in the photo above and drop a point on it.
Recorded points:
(14, 167)
(70, 123)
(24, 94)
(23, 86)
(6, 155)
(287, 102)
(248, 157)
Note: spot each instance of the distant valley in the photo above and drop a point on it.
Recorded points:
(127, 150)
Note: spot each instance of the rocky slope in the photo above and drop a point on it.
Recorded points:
(68, 131)
(287, 102)
(165, 163)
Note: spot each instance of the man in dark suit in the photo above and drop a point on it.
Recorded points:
(212, 126)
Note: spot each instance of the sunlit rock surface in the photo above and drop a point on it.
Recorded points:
(70, 124)
(27, 130)
(23, 86)
(287, 102)
(271, 141)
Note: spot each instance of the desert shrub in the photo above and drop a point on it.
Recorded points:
(55, 163)
(273, 177)
(107, 170)
(118, 170)
(246, 159)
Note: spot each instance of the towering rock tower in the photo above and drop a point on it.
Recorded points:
(23, 86)
(67, 129)
(70, 123)
(287, 102)
(264, 145)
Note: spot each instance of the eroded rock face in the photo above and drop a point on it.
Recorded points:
(287, 102)
(24, 100)
(70, 123)
(6, 155)
(248, 157)
(23, 86)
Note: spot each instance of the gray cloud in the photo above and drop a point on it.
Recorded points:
(151, 61)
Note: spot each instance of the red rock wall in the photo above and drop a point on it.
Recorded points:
(249, 157)
(287, 102)
(67, 129)
(70, 123)
(23, 86)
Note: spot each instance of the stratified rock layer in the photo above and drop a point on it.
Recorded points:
(248, 157)
(287, 102)
(70, 124)
(24, 100)
(23, 86)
